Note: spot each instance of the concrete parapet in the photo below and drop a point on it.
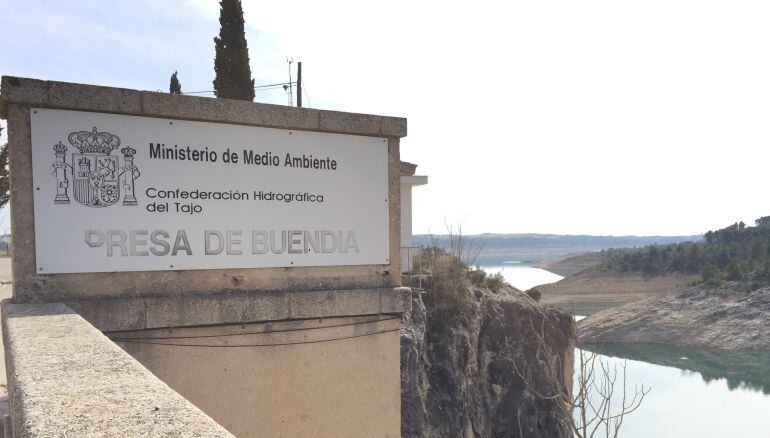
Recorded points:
(233, 308)
(65, 95)
(68, 379)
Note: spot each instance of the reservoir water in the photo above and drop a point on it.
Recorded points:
(694, 392)
(522, 276)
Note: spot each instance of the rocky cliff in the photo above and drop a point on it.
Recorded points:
(729, 317)
(485, 375)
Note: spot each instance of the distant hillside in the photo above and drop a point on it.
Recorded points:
(738, 252)
(535, 248)
(572, 264)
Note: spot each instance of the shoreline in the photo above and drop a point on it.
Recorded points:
(594, 289)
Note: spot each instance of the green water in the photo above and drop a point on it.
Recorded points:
(694, 392)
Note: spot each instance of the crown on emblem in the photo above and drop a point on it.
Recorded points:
(94, 141)
(128, 151)
(60, 148)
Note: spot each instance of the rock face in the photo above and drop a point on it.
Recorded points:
(728, 317)
(465, 383)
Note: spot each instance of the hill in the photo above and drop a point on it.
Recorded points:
(737, 252)
(572, 264)
(535, 248)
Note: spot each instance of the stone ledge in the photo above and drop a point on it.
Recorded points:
(232, 308)
(66, 95)
(65, 378)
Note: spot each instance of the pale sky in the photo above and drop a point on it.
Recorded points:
(591, 117)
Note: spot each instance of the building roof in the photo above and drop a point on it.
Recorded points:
(407, 168)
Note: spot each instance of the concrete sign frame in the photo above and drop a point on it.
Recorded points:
(22, 95)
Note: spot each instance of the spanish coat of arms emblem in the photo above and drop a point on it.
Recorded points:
(98, 179)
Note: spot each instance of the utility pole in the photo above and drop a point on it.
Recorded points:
(299, 84)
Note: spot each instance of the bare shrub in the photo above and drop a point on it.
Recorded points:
(495, 282)
(602, 399)
(447, 300)
(534, 293)
(477, 276)
(458, 245)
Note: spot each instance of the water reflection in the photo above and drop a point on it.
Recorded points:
(740, 369)
(521, 275)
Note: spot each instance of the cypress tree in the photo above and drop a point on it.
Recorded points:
(231, 62)
(175, 87)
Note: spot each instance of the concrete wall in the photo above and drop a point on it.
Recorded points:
(340, 381)
(406, 215)
(407, 254)
(68, 379)
(322, 378)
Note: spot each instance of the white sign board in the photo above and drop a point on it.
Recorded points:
(126, 193)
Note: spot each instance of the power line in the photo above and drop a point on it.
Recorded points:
(255, 87)
(262, 345)
(267, 332)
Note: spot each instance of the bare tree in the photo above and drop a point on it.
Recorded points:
(601, 398)
(461, 246)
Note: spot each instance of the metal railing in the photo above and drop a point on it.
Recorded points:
(411, 261)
